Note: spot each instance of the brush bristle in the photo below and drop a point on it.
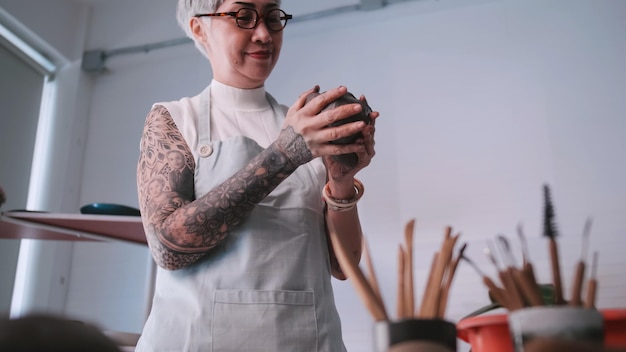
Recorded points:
(549, 225)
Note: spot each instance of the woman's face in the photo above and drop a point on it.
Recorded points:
(242, 58)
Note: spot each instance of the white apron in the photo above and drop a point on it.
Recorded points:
(267, 286)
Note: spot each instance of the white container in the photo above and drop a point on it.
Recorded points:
(556, 322)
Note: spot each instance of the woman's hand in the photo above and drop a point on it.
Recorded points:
(338, 171)
(305, 134)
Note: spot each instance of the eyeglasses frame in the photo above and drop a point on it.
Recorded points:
(259, 17)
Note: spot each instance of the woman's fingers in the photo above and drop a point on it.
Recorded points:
(339, 113)
(318, 103)
(369, 140)
(301, 101)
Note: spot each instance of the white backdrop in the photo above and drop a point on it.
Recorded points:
(482, 102)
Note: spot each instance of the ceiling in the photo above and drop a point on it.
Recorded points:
(297, 7)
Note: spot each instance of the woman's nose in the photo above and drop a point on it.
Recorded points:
(261, 32)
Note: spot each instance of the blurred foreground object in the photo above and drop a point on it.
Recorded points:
(44, 333)
(3, 196)
(547, 345)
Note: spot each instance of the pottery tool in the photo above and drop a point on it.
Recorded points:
(401, 309)
(520, 278)
(490, 253)
(430, 301)
(550, 231)
(443, 266)
(409, 288)
(592, 284)
(524, 243)
(443, 300)
(372, 274)
(506, 278)
(356, 276)
(579, 274)
(498, 294)
(527, 265)
(430, 283)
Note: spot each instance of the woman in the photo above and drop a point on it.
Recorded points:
(245, 264)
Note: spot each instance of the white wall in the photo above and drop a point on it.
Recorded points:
(481, 103)
(62, 41)
(52, 284)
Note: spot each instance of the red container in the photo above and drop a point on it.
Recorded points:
(490, 332)
(486, 333)
(614, 327)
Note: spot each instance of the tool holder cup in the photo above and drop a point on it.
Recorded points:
(565, 323)
(415, 335)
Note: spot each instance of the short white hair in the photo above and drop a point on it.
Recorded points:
(186, 9)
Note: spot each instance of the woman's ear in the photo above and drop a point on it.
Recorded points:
(197, 29)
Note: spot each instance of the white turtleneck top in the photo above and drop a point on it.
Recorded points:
(242, 112)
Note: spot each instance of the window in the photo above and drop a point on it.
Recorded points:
(25, 77)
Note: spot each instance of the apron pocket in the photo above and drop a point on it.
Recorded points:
(264, 321)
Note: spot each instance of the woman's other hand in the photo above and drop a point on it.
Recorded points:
(337, 170)
(305, 134)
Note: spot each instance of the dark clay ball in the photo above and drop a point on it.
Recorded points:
(349, 159)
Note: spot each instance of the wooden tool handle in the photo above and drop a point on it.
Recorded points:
(592, 287)
(373, 281)
(442, 266)
(443, 301)
(356, 276)
(430, 286)
(523, 282)
(409, 289)
(556, 273)
(577, 286)
(497, 293)
(515, 298)
(529, 272)
(401, 309)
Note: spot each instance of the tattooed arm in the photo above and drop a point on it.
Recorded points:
(179, 229)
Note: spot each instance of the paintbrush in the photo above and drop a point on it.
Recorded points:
(579, 274)
(550, 231)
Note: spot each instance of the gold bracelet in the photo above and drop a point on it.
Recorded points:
(335, 204)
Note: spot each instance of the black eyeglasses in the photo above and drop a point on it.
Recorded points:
(275, 19)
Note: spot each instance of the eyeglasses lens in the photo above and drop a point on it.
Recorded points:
(275, 19)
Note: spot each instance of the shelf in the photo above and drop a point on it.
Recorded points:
(71, 227)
